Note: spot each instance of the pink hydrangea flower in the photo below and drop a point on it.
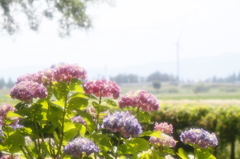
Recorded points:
(140, 99)
(164, 127)
(102, 88)
(27, 90)
(42, 77)
(4, 109)
(165, 140)
(65, 72)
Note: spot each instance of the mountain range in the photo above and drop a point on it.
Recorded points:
(189, 69)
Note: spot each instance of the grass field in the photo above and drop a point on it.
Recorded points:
(213, 93)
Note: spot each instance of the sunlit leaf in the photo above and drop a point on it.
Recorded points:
(76, 86)
(111, 102)
(181, 153)
(77, 103)
(156, 134)
(12, 114)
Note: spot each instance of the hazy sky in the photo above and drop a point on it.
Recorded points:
(132, 32)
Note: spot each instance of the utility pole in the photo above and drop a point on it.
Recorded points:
(178, 61)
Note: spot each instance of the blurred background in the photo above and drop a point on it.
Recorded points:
(185, 52)
(174, 49)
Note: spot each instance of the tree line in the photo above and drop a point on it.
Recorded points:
(164, 77)
(232, 78)
(6, 84)
(133, 78)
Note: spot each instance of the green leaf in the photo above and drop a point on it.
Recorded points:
(12, 114)
(143, 117)
(75, 86)
(60, 103)
(181, 153)
(134, 145)
(90, 124)
(111, 102)
(99, 108)
(77, 103)
(156, 134)
(13, 142)
(60, 90)
(204, 154)
(91, 96)
(81, 128)
(43, 102)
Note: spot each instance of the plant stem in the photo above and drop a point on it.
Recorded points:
(62, 130)
(99, 102)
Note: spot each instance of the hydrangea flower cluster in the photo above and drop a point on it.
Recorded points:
(140, 99)
(79, 146)
(164, 127)
(165, 140)
(102, 88)
(78, 119)
(65, 72)
(199, 137)
(27, 90)
(4, 156)
(4, 109)
(61, 72)
(124, 123)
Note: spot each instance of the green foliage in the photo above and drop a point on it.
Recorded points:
(71, 14)
(47, 122)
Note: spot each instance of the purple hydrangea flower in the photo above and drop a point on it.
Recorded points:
(140, 99)
(78, 119)
(102, 88)
(4, 109)
(65, 72)
(27, 90)
(165, 140)
(124, 123)
(199, 137)
(79, 146)
(164, 127)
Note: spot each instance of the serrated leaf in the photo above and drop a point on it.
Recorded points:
(134, 145)
(143, 117)
(12, 114)
(181, 153)
(111, 102)
(60, 103)
(60, 90)
(13, 142)
(91, 96)
(77, 103)
(156, 134)
(76, 86)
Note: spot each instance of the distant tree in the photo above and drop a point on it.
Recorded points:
(71, 14)
(157, 76)
(123, 78)
(156, 85)
(10, 83)
(2, 83)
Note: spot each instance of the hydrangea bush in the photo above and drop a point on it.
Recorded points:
(61, 115)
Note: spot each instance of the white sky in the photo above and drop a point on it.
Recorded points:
(130, 33)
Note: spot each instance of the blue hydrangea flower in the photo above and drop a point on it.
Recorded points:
(199, 137)
(124, 123)
(79, 146)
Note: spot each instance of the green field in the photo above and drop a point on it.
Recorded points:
(173, 93)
